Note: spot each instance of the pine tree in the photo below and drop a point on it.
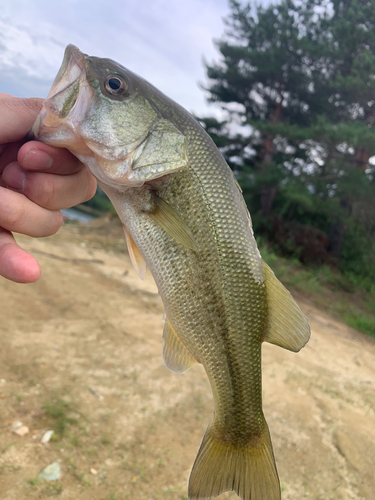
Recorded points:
(302, 76)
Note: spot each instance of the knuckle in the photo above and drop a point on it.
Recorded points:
(18, 104)
(50, 194)
(45, 191)
(33, 103)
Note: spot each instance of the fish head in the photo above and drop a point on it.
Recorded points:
(112, 120)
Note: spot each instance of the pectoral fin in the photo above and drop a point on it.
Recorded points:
(287, 325)
(135, 255)
(176, 357)
(167, 218)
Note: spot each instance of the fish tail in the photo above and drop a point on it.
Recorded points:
(249, 469)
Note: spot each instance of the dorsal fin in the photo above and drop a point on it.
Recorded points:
(135, 255)
(287, 325)
(176, 357)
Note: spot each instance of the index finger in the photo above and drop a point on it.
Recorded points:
(36, 156)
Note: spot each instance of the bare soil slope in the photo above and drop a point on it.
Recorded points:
(80, 353)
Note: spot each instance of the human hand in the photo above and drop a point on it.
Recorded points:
(36, 181)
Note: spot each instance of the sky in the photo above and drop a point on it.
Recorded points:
(162, 40)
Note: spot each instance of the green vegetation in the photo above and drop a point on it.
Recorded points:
(79, 476)
(100, 202)
(297, 78)
(327, 287)
(59, 412)
(52, 489)
(105, 439)
(33, 482)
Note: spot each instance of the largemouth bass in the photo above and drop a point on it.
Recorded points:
(185, 218)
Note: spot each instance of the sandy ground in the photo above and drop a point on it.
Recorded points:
(81, 352)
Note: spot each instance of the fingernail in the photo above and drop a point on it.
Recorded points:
(14, 177)
(37, 160)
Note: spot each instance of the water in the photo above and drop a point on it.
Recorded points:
(74, 214)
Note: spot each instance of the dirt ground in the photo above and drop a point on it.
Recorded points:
(80, 353)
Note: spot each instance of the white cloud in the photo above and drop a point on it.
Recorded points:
(32, 54)
(161, 40)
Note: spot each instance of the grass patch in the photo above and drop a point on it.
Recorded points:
(362, 323)
(79, 476)
(8, 447)
(52, 489)
(59, 412)
(75, 441)
(105, 439)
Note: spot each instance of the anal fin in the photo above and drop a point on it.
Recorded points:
(176, 357)
(135, 255)
(287, 325)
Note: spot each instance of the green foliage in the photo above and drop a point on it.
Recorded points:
(299, 78)
(361, 322)
(59, 412)
(327, 287)
(100, 202)
(52, 489)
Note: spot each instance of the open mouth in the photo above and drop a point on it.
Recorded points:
(66, 102)
(63, 95)
(70, 70)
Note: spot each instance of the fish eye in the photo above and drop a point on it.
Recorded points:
(115, 85)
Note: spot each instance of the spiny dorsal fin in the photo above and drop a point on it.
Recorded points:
(168, 219)
(287, 325)
(135, 255)
(176, 357)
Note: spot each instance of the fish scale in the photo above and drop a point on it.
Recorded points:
(185, 218)
(224, 304)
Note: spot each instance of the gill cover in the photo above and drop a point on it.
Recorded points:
(107, 117)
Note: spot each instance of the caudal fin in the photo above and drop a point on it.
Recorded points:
(220, 466)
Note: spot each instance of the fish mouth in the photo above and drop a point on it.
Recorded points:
(66, 102)
(71, 70)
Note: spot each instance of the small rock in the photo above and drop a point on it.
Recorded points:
(95, 392)
(17, 425)
(21, 431)
(52, 472)
(93, 471)
(46, 437)
(3, 381)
